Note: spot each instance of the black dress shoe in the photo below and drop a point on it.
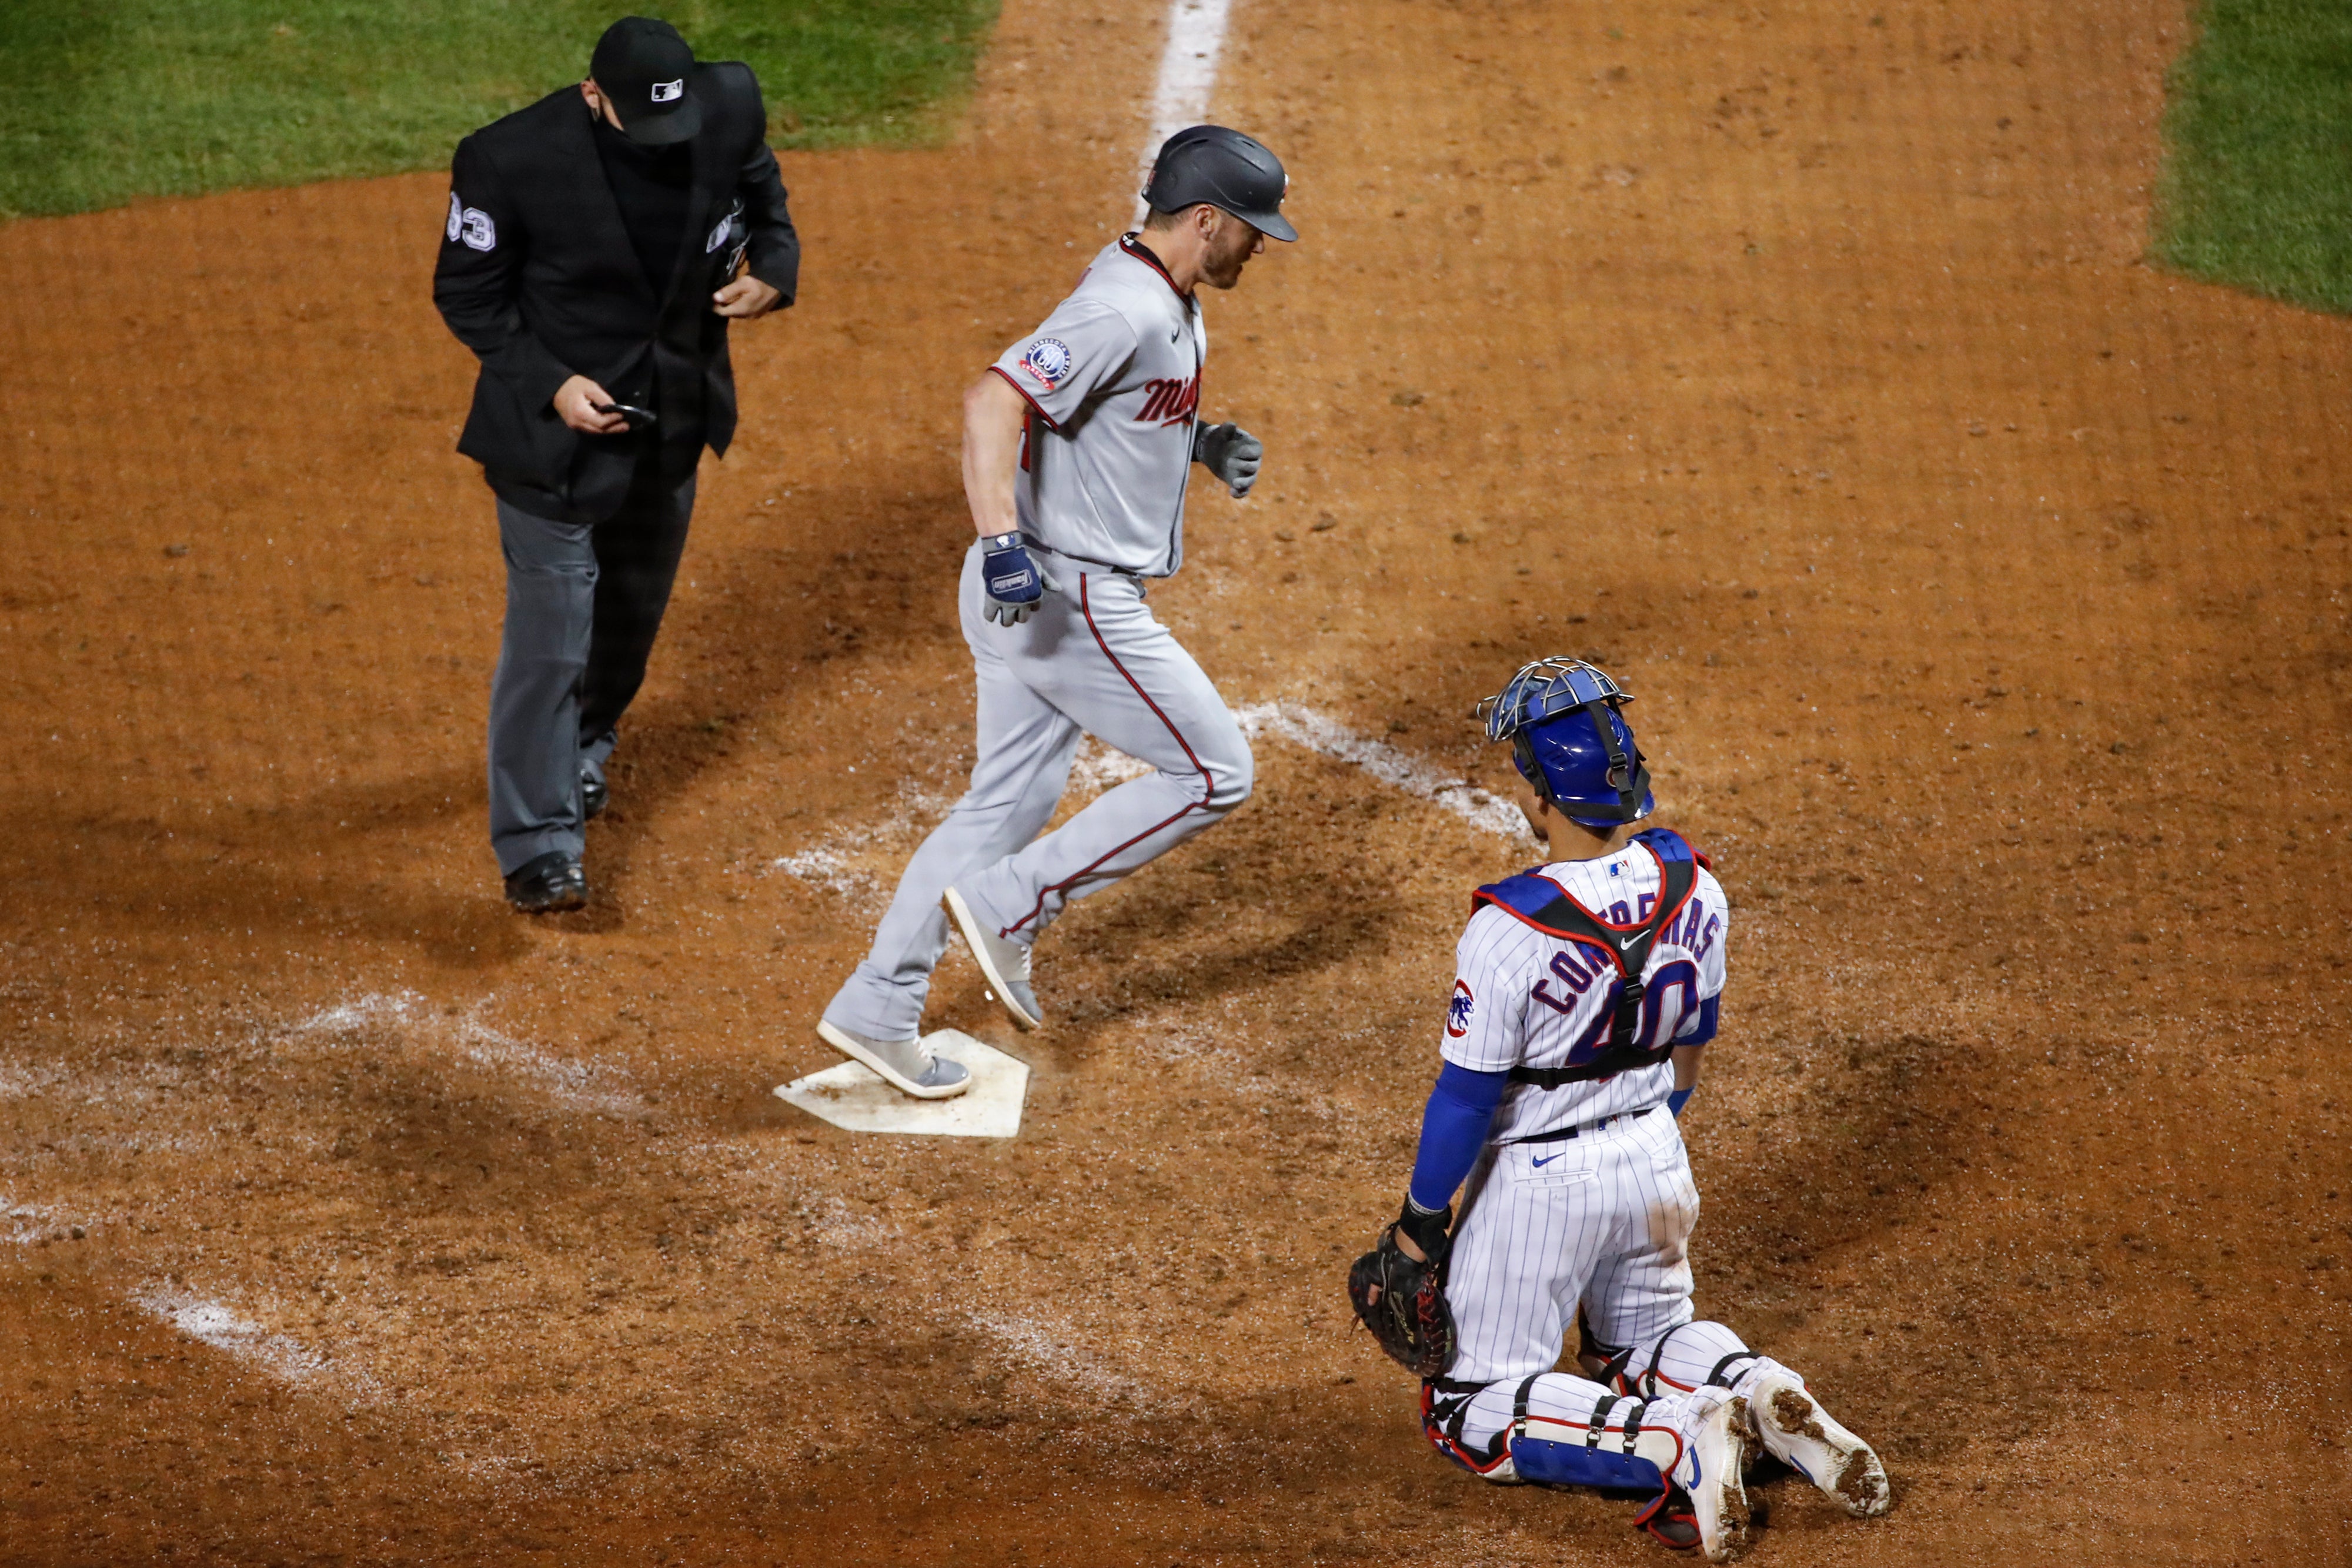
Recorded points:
(553, 881)
(593, 794)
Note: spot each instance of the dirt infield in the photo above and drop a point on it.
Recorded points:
(1984, 591)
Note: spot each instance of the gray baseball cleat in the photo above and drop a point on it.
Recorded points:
(906, 1065)
(1713, 1425)
(1005, 964)
(1807, 1438)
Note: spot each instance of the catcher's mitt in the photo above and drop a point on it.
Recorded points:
(1403, 1301)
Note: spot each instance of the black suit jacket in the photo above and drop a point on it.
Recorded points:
(537, 276)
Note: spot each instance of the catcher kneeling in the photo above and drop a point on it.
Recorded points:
(1585, 990)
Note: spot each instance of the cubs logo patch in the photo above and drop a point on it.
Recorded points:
(1048, 360)
(1458, 1010)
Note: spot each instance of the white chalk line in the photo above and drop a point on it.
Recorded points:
(201, 1318)
(1057, 1350)
(1303, 726)
(1188, 73)
(224, 1328)
(834, 862)
(29, 1223)
(578, 1084)
(846, 861)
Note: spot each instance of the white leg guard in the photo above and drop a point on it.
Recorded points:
(1684, 1358)
(1553, 1429)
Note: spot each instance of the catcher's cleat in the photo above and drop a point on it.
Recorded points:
(906, 1065)
(1670, 1521)
(1799, 1433)
(1006, 964)
(1713, 1426)
(553, 881)
(593, 795)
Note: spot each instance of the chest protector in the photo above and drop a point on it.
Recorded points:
(1535, 900)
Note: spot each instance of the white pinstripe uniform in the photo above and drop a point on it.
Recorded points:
(1604, 1218)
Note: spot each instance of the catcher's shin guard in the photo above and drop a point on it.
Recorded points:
(1607, 1442)
(1616, 1447)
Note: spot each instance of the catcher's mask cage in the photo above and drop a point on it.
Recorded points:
(1569, 742)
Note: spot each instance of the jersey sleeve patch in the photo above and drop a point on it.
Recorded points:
(1048, 360)
(1459, 1010)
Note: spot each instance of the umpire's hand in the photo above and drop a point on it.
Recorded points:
(745, 298)
(576, 404)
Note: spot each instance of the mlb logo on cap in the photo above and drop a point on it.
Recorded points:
(645, 71)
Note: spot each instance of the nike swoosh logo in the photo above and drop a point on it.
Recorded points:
(1540, 1164)
(1627, 944)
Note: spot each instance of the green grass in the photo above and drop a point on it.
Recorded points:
(2257, 184)
(110, 99)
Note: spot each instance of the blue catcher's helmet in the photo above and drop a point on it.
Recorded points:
(1570, 741)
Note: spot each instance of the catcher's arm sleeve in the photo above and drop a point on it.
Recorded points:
(1452, 1130)
(477, 278)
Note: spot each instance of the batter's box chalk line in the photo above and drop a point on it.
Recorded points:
(855, 1097)
(1303, 726)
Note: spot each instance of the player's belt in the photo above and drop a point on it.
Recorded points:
(1082, 560)
(1562, 1135)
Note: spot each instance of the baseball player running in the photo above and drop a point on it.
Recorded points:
(1585, 991)
(1078, 446)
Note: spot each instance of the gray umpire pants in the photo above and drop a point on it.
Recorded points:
(583, 602)
(1092, 661)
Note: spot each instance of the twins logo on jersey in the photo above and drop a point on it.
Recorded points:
(1048, 360)
(1458, 1010)
(1170, 401)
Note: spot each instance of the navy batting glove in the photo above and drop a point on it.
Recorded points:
(1013, 582)
(1677, 1100)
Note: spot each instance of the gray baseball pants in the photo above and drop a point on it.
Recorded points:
(583, 602)
(1092, 661)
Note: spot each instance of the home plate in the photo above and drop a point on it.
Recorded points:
(853, 1095)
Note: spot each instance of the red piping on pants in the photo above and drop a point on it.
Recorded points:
(1086, 608)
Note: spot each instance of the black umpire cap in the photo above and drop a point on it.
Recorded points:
(646, 69)
(1225, 169)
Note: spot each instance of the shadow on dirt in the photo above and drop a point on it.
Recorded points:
(322, 866)
(861, 579)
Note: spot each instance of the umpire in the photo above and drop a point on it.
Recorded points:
(598, 243)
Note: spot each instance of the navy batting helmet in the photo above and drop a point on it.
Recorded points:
(1570, 741)
(1225, 169)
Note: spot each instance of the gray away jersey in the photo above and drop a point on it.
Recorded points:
(1113, 383)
